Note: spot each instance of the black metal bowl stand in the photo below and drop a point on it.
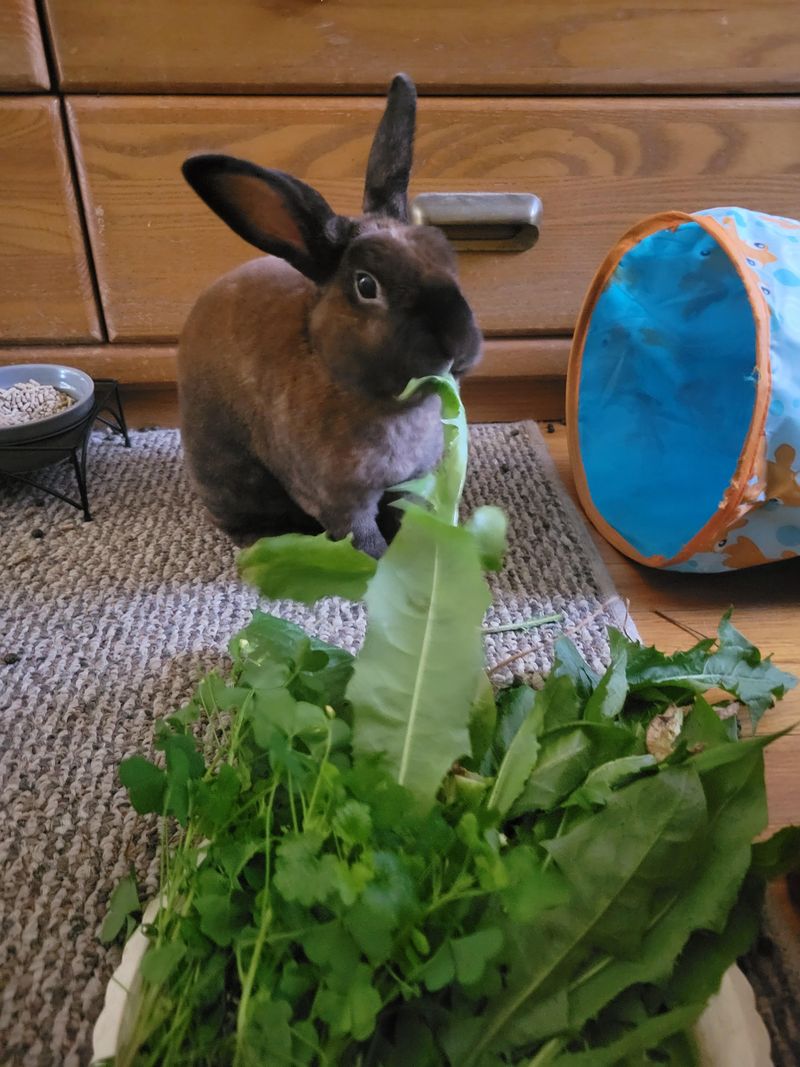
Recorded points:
(72, 444)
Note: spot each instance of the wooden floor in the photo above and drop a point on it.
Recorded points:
(671, 610)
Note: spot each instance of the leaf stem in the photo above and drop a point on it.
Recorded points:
(549, 857)
(310, 1044)
(606, 961)
(322, 766)
(266, 915)
(292, 808)
(547, 1053)
(450, 898)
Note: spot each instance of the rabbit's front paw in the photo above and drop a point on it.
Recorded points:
(369, 539)
(359, 518)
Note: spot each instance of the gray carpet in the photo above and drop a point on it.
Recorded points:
(105, 626)
(772, 967)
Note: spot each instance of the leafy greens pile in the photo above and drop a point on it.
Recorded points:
(377, 861)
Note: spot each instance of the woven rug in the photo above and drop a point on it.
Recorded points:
(106, 626)
(773, 969)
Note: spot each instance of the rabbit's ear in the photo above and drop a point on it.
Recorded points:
(273, 211)
(389, 166)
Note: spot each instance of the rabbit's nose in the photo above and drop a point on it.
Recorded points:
(450, 319)
(459, 337)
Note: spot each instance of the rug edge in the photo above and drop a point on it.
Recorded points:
(612, 601)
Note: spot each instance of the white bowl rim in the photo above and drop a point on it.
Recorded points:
(50, 425)
(28, 370)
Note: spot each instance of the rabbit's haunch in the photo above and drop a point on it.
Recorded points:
(30, 401)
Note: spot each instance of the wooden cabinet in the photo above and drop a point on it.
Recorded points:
(608, 112)
(598, 165)
(22, 60)
(45, 284)
(460, 47)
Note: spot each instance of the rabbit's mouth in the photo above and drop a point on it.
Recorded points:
(452, 326)
(422, 391)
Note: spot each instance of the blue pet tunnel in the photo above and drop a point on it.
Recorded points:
(683, 393)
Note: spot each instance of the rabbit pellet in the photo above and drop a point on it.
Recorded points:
(29, 401)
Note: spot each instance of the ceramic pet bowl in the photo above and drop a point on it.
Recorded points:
(67, 379)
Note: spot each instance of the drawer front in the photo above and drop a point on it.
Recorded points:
(452, 46)
(45, 287)
(598, 165)
(22, 61)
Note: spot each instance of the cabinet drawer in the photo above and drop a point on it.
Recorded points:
(45, 287)
(451, 46)
(598, 165)
(22, 61)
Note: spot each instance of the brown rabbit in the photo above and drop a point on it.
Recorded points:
(289, 368)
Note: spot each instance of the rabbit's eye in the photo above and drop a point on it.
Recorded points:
(366, 286)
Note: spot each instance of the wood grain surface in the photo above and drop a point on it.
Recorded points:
(22, 61)
(452, 46)
(487, 400)
(515, 379)
(156, 364)
(45, 289)
(598, 165)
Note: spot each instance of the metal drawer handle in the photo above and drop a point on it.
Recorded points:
(482, 222)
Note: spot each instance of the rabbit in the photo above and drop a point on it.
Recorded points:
(289, 367)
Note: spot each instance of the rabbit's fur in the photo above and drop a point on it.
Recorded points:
(289, 368)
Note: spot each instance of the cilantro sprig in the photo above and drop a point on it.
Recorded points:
(374, 861)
